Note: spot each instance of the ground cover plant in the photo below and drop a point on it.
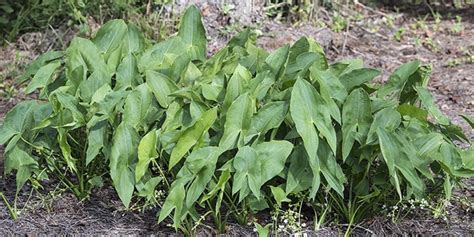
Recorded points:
(236, 133)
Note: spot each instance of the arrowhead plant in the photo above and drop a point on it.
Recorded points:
(223, 132)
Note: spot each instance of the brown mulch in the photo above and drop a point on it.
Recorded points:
(58, 212)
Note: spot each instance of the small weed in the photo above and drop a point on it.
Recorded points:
(453, 62)
(288, 221)
(420, 24)
(231, 29)
(457, 27)
(431, 44)
(262, 231)
(338, 23)
(398, 34)
(437, 21)
(390, 19)
(466, 204)
(417, 207)
(358, 16)
(417, 41)
(372, 27)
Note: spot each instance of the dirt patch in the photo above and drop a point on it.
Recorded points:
(59, 212)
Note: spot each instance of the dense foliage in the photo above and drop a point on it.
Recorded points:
(21, 16)
(243, 130)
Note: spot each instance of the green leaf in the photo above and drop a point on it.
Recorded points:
(83, 52)
(113, 60)
(127, 73)
(262, 231)
(154, 58)
(427, 144)
(237, 122)
(256, 165)
(398, 79)
(213, 90)
(330, 87)
(356, 120)
(449, 158)
(300, 174)
(346, 65)
(302, 52)
(428, 102)
(395, 150)
(469, 120)
(96, 139)
(330, 169)
(261, 84)
(146, 152)
(135, 40)
(89, 87)
(448, 188)
(42, 60)
(23, 163)
(191, 136)
(240, 39)
(387, 118)
(136, 106)
(174, 201)
(236, 85)
(42, 77)
(18, 120)
(358, 77)
(467, 157)
(276, 60)
(161, 86)
(110, 36)
(407, 165)
(147, 189)
(255, 60)
(270, 116)
(123, 155)
(402, 82)
(302, 63)
(193, 34)
(413, 111)
(279, 195)
(389, 149)
(307, 108)
(202, 164)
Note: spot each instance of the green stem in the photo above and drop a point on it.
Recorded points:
(11, 210)
(63, 179)
(161, 173)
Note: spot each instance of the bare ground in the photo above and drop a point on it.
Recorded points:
(55, 211)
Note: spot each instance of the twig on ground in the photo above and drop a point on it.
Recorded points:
(369, 9)
(345, 37)
(374, 33)
(359, 227)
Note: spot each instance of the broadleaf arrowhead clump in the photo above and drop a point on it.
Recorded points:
(231, 130)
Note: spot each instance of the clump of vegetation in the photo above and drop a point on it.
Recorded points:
(234, 134)
(21, 16)
(399, 34)
(457, 27)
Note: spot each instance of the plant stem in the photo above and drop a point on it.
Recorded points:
(11, 210)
